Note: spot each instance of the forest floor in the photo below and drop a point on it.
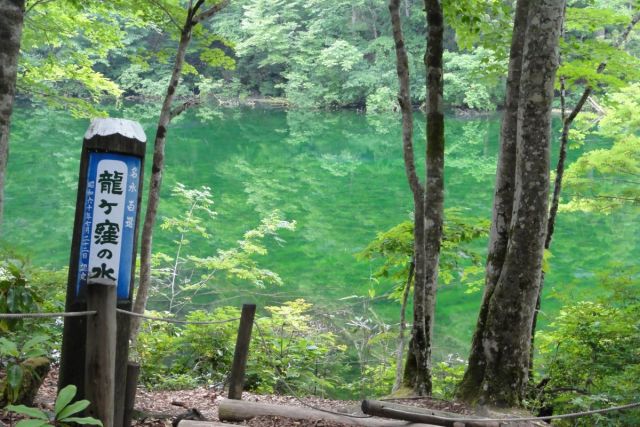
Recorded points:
(161, 408)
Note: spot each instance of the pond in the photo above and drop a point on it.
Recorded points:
(339, 175)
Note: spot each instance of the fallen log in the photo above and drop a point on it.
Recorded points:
(424, 415)
(241, 410)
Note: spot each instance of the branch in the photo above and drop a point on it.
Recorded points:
(203, 16)
(587, 91)
(36, 3)
(566, 124)
(404, 99)
(599, 108)
(169, 15)
(596, 197)
(625, 35)
(185, 106)
(194, 10)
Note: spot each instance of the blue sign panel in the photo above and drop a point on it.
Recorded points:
(109, 220)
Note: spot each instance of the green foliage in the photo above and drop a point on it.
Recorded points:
(12, 361)
(591, 19)
(321, 54)
(76, 55)
(210, 347)
(16, 293)
(446, 376)
(583, 53)
(384, 99)
(467, 83)
(317, 54)
(204, 356)
(178, 278)
(155, 351)
(458, 260)
(239, 262)
(61, 44)
(64, 412)
(480, 22)
(293, 352)
(603, 179)
(590, 356)
(374, 343)
(24, 289)
(287, 346)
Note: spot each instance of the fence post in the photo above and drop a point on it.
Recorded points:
(100, 364)
(236, 382)
(133, 371)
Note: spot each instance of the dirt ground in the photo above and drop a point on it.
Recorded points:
(162, 408)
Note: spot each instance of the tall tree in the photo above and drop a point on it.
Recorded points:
(499, 359)
(503, 198)
(11, 21)
(567, 121)
(429, 201)
(196, 14)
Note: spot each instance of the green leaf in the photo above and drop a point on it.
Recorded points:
(85, 421)
(8, 348)
(14, 376)
(74, 408)
(64, 398)
(34, 342)
(30, 412)
(32, 423)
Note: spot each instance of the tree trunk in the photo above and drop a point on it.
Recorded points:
(506, 337)
(403, 326)
(11, 21)
(434, 197)
(502, 203)
(418, 331)
(428, 205)
(156, 179)
(166, 115)
(416, 366)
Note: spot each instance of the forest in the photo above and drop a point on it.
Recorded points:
(434, 198)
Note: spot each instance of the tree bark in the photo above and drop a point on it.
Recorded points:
(418, 332)
(502, 203)
(429, 202)
(155, 181)
(506, 336)
(434, 197)
(11, 22)
(403, 326)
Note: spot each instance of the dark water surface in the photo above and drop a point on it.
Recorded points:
(339, 175)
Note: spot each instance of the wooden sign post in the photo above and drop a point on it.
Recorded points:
(104, 241)
(100, 368)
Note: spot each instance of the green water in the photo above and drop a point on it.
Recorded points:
(339, 175)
